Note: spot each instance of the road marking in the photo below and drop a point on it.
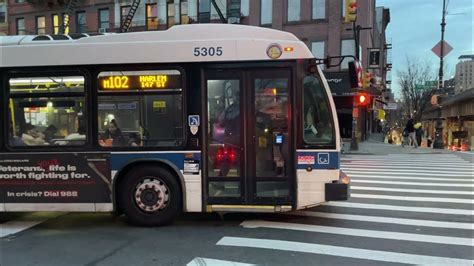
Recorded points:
(356, 253)
(410, 171)
(406, 173)
(416, 199)
(213, 262)
(377, 176)
(399, 208)
(13, 227)
(461, 166)
(395, 167)
(413, 190)
(361, 232)
(407, 169)
(377, 219)
(413, 183)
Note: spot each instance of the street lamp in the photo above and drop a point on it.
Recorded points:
(438, 141)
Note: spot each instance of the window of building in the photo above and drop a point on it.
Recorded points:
(123, 13)
(204, 11)
(318, 128)
(266, 12)
(3, 12)
(192, 11)
(47, 111)
(81, 24)
(20, 1)
(41, 25)
(55, 20)
(174, 13)
(20, 26)
(245, 8)
(318, 50)
(347, 48)
(343, 8)
(151, 17)
(140, 108)
(222, 7)
(66, 21)
(319, 9)
(294, 10)
(104, 22)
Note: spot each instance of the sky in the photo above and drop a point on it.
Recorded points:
(415, 28)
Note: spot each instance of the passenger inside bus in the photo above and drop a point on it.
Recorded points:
(31, 135)
(229, 120)
(112, 136)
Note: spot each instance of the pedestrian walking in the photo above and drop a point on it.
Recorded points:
(410, 127)
(418, 133)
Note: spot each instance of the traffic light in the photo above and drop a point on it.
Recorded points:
(351, 10)
(362, 99)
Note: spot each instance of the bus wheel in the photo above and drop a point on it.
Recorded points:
(150, 196)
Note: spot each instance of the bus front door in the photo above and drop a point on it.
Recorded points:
(248, 138)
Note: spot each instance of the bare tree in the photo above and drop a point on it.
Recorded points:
(416, 95)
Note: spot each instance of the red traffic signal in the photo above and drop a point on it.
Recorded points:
(362, 99)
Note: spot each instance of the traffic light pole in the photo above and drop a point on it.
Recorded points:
(355, 111)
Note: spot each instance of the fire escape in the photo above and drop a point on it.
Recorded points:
(127, 21)
(71, 6)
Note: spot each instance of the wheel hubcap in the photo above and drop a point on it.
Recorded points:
(152, 195)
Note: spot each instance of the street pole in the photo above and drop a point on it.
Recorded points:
(438, 141)
(354, 142)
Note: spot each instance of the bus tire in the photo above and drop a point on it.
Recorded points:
(150, 196)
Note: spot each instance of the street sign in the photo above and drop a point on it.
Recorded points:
(431, 83)
(390, 106)
(374, 57)
(446, 49)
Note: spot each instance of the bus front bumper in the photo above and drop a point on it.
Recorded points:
(338, 190)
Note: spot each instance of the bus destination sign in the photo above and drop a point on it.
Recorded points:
(141, 82)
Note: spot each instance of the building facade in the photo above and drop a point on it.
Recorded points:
(464, 76)
(3, 17)
(318, 23)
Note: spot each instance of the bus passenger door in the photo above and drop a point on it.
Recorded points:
(248, 140)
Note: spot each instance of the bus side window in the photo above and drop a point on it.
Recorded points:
(39, 118)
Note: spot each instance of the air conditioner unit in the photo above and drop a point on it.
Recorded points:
(102, 30)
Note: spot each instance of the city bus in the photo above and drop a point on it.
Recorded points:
(197, 118)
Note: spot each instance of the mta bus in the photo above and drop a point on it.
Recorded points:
(198, 118)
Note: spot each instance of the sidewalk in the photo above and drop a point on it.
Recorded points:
(379, 148)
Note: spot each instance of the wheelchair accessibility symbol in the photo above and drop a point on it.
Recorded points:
(193, 120)
(323, 158)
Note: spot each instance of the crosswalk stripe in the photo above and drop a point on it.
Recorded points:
(13, 227)
(354, 171)
(464, 166)
(346, 252)
(394, 167)
(378, 176)
(213, 262)
(361, 232)
(413, 190)
(416, 199)
(414, 183)
(377, 219)
(411, 170)
(399, 208)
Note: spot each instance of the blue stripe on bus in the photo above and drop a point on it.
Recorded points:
(318, 160)
(118, 161)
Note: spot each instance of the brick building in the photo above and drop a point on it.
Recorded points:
(3, 18)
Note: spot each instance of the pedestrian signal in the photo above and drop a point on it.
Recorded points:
(351, 11)
(362, 99)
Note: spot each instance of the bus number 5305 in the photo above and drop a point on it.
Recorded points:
(208, 51)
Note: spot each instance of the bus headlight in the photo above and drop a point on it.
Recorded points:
(343, 178)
